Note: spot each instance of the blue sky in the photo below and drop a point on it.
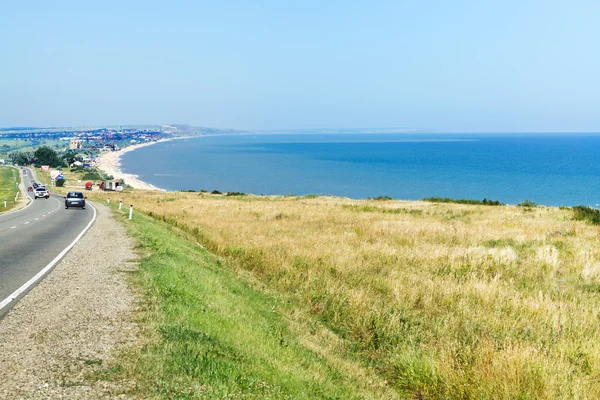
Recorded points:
(453, 66)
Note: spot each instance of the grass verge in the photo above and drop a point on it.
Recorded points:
(8, 189)
(215, 334)
(438, 300)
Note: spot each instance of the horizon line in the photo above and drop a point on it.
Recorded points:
(254, 130)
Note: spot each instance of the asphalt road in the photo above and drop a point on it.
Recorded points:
(32, 237)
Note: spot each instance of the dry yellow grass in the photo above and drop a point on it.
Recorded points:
(442, 300)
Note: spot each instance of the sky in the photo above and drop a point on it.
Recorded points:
(436, 66)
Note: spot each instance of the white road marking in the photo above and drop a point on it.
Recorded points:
(26, 222)
(12, 227)
(39, 275)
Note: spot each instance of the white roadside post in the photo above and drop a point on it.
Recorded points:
(4, 203)
(120, 204)
(108, 200)
(130, 210)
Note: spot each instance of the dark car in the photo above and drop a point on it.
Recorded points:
(75, 199)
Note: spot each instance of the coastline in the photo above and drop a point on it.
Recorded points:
(110, 163)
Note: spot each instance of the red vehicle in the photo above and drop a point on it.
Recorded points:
(88, 185)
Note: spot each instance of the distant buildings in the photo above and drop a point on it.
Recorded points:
(74, 144)
(101, 139)
(110, 147)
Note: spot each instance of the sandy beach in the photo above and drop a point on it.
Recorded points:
(110, 162)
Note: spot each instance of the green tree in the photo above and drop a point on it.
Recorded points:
(60, 182)
(70, 156)
(22, 157)
(46, 156)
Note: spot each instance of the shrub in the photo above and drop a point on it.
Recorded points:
(484, 202)
(527, 204)
(235, 194)
(91, 176)
(60, 182)
(380, 198)
(583, 213)
(215, 192)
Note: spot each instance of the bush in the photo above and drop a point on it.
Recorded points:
(484, 202)
(583, 213)
(215, 192)
(60, 182)
(91, 176)
(527, 204)
(380, 198)
(235, 194)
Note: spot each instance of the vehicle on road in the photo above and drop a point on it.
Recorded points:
(75, 199)
(30, 189)
(35, 185)
(40, 192)
(88, 185)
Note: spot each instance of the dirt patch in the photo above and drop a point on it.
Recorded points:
(74, 323)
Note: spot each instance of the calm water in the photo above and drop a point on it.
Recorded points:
(548, 169)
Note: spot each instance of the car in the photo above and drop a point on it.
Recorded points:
(35, 185)
(75, 199)
(39, 192)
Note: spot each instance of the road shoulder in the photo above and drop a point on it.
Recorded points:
(74, 323)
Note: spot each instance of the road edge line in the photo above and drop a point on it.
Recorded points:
(30, 283)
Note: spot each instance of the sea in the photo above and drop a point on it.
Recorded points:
(549, 169)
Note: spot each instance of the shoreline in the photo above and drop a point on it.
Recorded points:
(110, 163)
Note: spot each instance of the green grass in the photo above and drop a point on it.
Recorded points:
(8, 189)
(9, 145)
(215, 334)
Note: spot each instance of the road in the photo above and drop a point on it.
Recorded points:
(33, 237)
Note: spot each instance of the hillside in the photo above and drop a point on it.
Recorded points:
(433, 300)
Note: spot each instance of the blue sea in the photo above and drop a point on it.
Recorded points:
(548, 169)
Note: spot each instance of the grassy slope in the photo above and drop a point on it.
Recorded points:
(213, 335)
(8, 189)
(25, 145)
(439, 300)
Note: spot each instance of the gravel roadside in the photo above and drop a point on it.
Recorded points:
(74, 322)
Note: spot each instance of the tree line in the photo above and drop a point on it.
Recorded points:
(43, 156)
